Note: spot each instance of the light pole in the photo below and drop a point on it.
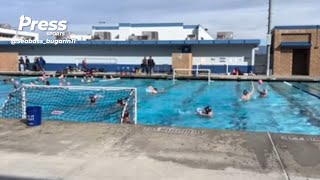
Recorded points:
(269, 38)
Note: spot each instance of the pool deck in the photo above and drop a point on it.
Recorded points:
(62, 150)
(166, 76)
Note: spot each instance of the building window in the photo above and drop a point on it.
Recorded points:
(151, 35)
(102, 36)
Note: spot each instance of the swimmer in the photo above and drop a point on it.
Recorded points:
(247, 95)
(206, 112)
(121, 102)
(126, 118)
(47, 83)
(93, 99)
(104, 77)
(154, 90)
(36, 81)
(5, 81)
(263, 93)
(16, 84)
(31, 83)
(43, 79)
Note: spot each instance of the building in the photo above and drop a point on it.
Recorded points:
(224, 35)
(221, 56)
(150, 31)
(295, 50)
(78, 37)
(7, 34)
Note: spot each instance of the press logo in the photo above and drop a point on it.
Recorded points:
(53, 28)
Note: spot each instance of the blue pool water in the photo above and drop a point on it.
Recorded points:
(286, 110)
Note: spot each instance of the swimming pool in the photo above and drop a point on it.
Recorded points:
(286, 110)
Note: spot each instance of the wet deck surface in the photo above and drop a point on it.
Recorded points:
(61, 150)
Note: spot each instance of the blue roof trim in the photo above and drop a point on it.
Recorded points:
(84, 42)
(155, 24)
(206, 42)
(220, 42)
(163, 42)
(124, 24)
(135, 42)
(240, 41)
(105, 27)
(190, 26)
(297, 27)
(254, 42)
(177, 42)
(122, 42)
(295, 44)
(150, 42)
(144, 25)
(191, 42)
(5, 42)
(110, 42)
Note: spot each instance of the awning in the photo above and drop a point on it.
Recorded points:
(304, 45)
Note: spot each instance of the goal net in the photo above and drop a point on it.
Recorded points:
(205, 73)
(73, 103)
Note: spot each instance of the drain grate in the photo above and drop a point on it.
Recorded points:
(299, 138)
(174, 130)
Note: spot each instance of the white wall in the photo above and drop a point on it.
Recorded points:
(208, 54)
(18, 34)
(204, 34)
(130, 54)
(79, 37)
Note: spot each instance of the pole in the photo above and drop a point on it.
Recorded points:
(269, 38)
(173, 76)
(23, 103)
(135, 106)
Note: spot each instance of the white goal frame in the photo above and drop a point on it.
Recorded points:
(97, 60)
(197, 73)
(84, 88)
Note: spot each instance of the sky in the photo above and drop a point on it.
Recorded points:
(246, 18)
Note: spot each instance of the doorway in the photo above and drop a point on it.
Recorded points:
(300, 62)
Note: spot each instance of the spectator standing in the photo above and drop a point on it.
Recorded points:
(21, 64)
(84, 65)
(36, 65)
(144, 65)
(42, 63)
(151, 65)
(27, 63)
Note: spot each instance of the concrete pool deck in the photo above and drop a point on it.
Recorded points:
(62, 150)
(166, 76)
